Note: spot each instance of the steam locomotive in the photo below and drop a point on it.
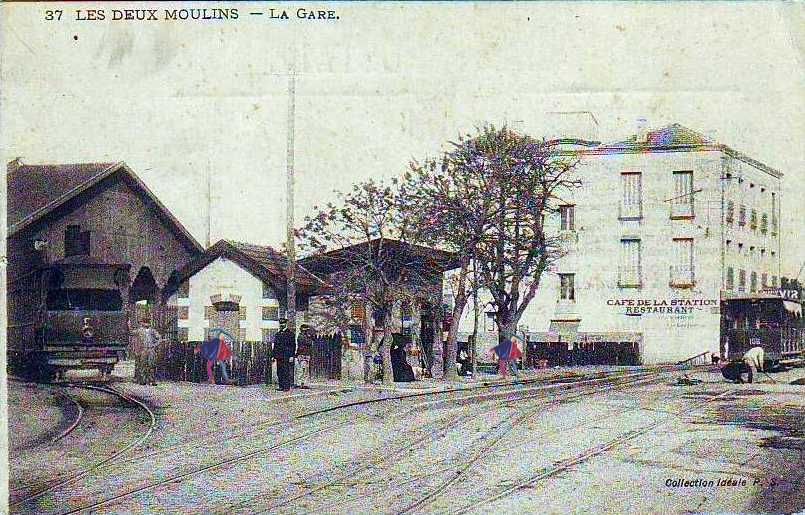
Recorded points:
(68, 315)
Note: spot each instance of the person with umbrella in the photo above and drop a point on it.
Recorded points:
(216, 350)
(507, 350)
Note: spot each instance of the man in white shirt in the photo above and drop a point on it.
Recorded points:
(753, 359)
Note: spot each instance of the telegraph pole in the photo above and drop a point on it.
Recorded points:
(291, 242)
(475, 310)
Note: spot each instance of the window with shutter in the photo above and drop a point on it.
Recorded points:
(566, 287)
(567, 215)
(631, 206)
(682, 200)
(682, 270)
(629, 272)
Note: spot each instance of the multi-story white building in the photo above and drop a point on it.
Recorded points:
(665, 225)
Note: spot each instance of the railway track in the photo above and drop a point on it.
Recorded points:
(375, 461)
(243, 457)
(460, 395)
(497, 433)
(457, 456)
(585, 455)
(257, 426)
(48, 488)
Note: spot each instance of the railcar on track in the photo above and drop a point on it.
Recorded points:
(68, 315)
(765, 320)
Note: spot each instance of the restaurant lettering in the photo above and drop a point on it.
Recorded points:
(662, 306)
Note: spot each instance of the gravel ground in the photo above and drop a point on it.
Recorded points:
(384, 458)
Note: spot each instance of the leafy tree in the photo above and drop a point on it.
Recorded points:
(364, 243)
(487, 199)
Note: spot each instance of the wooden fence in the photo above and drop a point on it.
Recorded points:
(250, 363)
(583, 353)
(325, 359)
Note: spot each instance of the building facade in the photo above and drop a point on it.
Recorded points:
(664, 226)
(88, 245)
(236, 286)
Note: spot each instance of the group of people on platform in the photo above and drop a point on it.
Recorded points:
(292, 356)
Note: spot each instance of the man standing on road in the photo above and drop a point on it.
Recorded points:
(146, 340)
(284, 351)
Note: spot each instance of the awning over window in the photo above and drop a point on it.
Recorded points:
(564, 327)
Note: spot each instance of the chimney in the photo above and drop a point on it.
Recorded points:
(641, 135)
(14, 164)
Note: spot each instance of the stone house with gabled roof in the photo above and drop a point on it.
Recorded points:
(237, 286)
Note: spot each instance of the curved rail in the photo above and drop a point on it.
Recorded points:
(179, 477)
(584, 456)
(79, 416)
(495, 435)
(262, 449)
(95, 466)
(387, 455)
(330, 507)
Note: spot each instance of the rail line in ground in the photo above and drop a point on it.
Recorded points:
(496, 434)
(97, 465)
(242, 457)
(387, 455)
(255, 426)
(587, 454)
(453, 469)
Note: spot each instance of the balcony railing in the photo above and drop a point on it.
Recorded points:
(681, 209)
(681, 277)
(633, 211)
(629, 277)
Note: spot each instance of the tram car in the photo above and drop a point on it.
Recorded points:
(68, 315)
(762, 320)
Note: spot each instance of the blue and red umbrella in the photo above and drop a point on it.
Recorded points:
(217, 348)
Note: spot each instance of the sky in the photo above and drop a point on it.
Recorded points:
(383, 84)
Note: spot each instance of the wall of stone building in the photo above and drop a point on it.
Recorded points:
(594, 257)
(750, 249)
(123, 229)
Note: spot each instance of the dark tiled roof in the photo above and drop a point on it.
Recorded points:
(395, 250)
(275, 262)
(32, 188)
(263, 262)
(36, 191)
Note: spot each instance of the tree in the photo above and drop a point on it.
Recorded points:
(364, 244)
(487, 199)
(454, 211)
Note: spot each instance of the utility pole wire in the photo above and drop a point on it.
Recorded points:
(291, 243)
